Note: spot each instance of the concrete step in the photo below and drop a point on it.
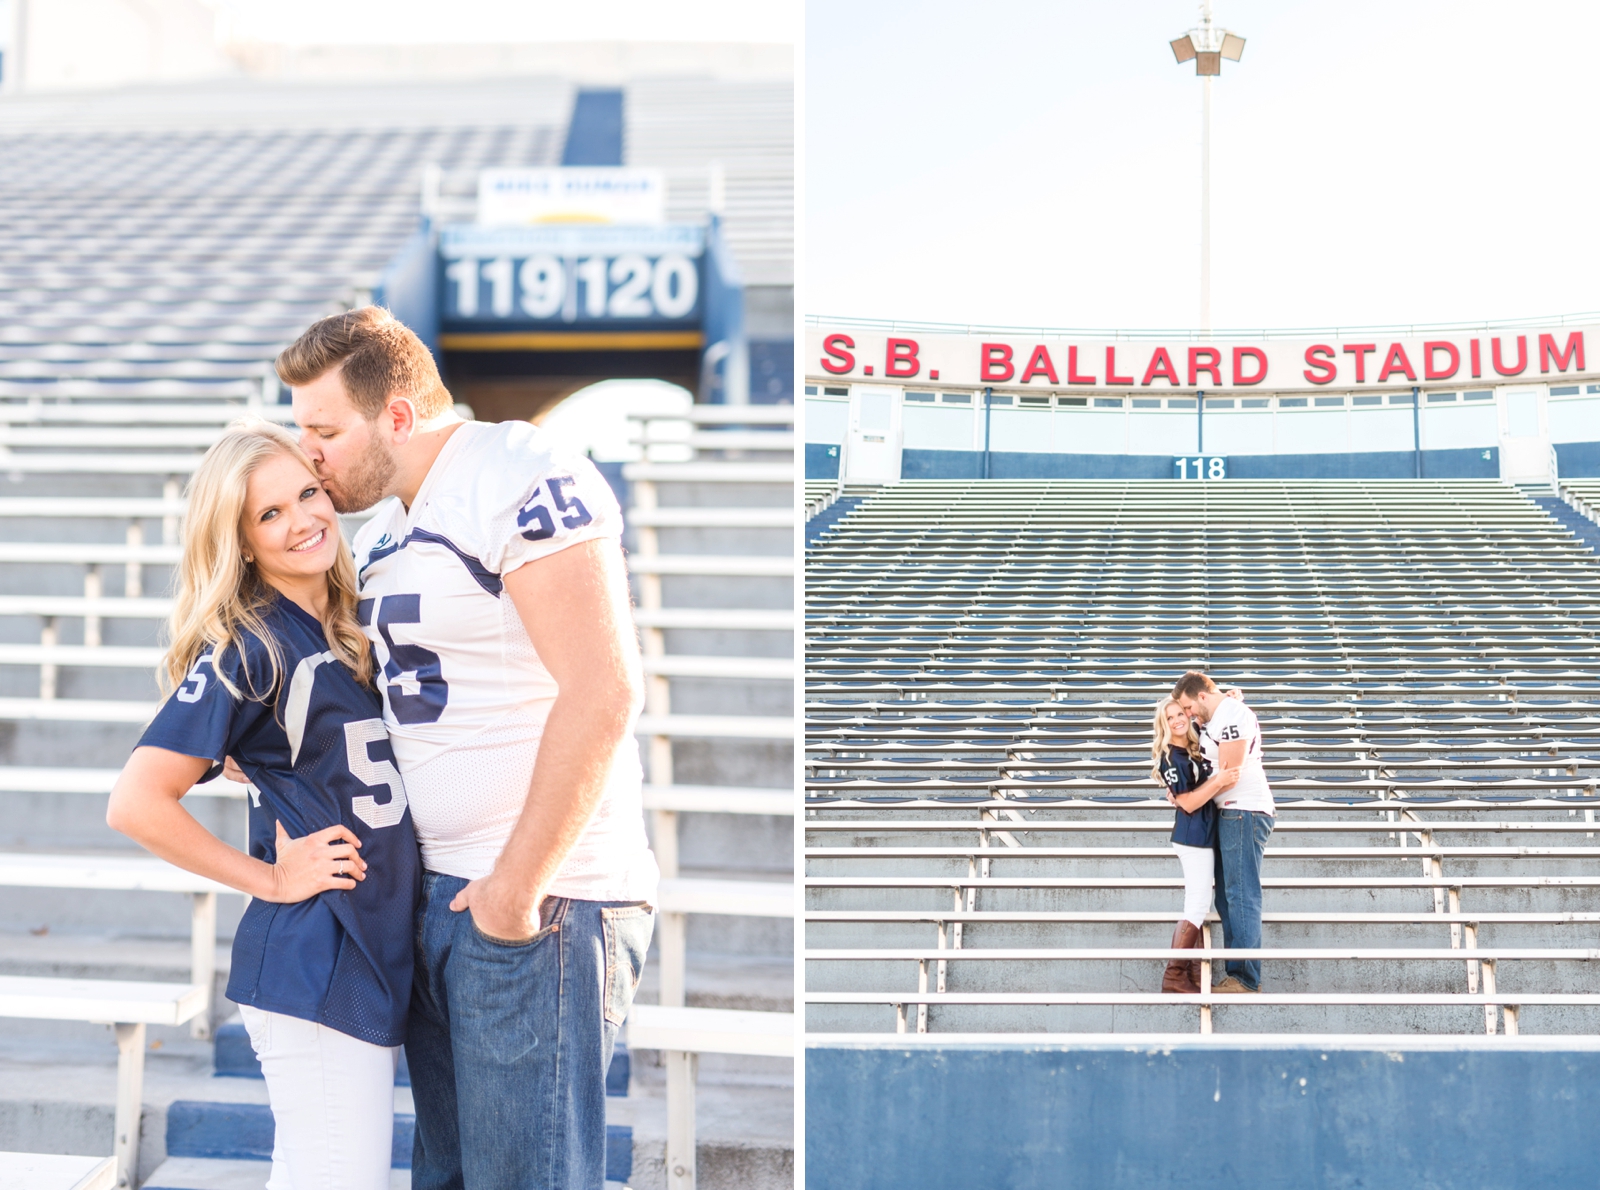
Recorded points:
(234, 1057)
(210, 1173)
(757, 982)
(58, 1088)
(222, 1131)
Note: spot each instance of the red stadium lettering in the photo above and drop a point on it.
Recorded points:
(1111, 369)
(900, 359)
(835, 346)
(1039, 365)
(1161, 365)
(1212, 364)
(1522, 357)
(1429, 372)
(995, 363)
(1359, 350)
(1240, 354)
(1548, 352)
(1477, 360)
(1320, 368)
(1396, 361)
(1072, 369)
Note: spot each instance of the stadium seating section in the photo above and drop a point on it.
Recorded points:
(987, 852)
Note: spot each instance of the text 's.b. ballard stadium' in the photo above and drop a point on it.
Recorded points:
(1512, 402)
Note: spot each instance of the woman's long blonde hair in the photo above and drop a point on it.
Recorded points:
(219, 596)
(1161, 737)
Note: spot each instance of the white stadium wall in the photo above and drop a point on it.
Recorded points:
(1513, 402)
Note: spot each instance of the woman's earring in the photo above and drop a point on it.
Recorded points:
(248, 560)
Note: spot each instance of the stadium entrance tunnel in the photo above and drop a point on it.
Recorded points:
(521, 317)
(528, 385)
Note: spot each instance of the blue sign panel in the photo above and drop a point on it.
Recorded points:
(563, 277)
(1200, 467)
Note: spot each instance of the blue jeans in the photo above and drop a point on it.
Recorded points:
(1241, 839)
(508, 1042)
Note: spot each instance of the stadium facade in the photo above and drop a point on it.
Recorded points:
(1515, 401)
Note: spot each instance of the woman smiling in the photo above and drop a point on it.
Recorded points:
(268, 665)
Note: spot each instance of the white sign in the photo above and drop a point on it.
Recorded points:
(598, 194)
(1373, 359)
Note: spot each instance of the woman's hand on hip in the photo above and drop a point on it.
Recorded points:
(315, 863)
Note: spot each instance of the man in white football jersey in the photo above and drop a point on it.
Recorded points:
(494, 591)
(1230, 737)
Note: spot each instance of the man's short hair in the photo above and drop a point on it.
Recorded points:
(1192, 685)
(378, 358)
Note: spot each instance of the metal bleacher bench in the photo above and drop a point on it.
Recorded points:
(50, 1171)
(131, 873)
(129, 1006)
(710, 434)
(682, 1035)
(1421, 654)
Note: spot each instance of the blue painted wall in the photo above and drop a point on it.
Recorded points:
(594, 134)
(1189, 1117)
(772, 371)
(407, 288)
(1472, 463)
(822, 461)
(1578, 460)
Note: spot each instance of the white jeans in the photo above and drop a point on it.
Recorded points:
(332, 1101)
(1199, 873)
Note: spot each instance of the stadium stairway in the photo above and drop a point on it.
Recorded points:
(712, 540)
(148, 279)
(1573, 521)
(986, 851)
(830, 516)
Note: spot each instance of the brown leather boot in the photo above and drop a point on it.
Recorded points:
(1176, 977)
(1191, 939)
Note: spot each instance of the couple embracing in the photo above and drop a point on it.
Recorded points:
(1207, 751)
(446, 839)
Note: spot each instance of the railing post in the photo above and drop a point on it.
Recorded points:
(203, 957)
(93, 590)
(682, 1069)
(133, 582)
(49, 637)
(130, 1103)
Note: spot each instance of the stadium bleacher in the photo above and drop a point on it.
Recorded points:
(153, 267)
(987, 853)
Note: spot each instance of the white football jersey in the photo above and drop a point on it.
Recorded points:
(465, 696)
(1232, 720)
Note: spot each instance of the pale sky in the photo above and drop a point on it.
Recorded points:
(421, 21)
(1376, 161)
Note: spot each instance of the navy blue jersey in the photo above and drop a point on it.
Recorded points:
(1183, 773)
(317, 751)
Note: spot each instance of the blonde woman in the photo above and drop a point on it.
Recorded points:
(1183, 770)
(268, 665)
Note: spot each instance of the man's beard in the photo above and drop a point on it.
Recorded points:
(366, 482)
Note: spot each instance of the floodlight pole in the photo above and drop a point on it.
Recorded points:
(1205, 200)
(1206, 46)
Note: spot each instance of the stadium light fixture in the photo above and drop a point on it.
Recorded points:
(1206, 46)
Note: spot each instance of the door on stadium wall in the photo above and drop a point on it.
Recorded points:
(1524, 432)
(872, 445)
